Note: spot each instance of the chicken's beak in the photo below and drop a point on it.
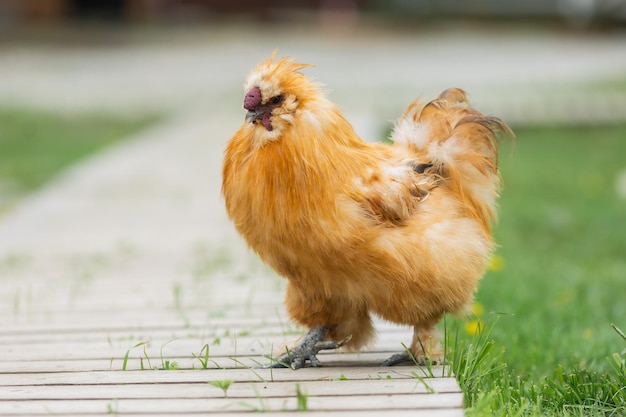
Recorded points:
(253, 115)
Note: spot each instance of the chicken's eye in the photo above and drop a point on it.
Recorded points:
(277, 99)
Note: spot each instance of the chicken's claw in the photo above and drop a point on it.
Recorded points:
(307, 349)
(407, 357)
(398, 358)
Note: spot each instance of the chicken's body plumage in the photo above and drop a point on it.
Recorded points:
(402, 231)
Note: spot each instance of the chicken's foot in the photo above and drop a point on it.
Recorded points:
(406, 357)
(307, 349)
(398, 358)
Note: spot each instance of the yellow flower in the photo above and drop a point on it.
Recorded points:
(474, 327)
(496, 263)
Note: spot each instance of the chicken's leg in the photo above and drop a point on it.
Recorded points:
(307, 349)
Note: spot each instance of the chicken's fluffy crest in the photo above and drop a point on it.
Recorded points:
(274, 76)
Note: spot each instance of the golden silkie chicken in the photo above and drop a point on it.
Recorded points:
(400, 231)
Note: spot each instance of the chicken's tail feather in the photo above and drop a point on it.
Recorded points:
(461, 144)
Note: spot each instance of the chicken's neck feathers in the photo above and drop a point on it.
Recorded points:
(301, 175)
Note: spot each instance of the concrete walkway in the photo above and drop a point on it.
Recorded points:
(137, 236)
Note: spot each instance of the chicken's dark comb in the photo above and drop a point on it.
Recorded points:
(253, 99)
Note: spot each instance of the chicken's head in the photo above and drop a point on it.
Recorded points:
(259, 111)
(274, 91)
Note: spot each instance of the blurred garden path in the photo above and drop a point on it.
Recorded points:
(134, 242)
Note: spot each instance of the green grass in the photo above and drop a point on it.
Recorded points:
(223, 385)
(36, 145)
(560, 282)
